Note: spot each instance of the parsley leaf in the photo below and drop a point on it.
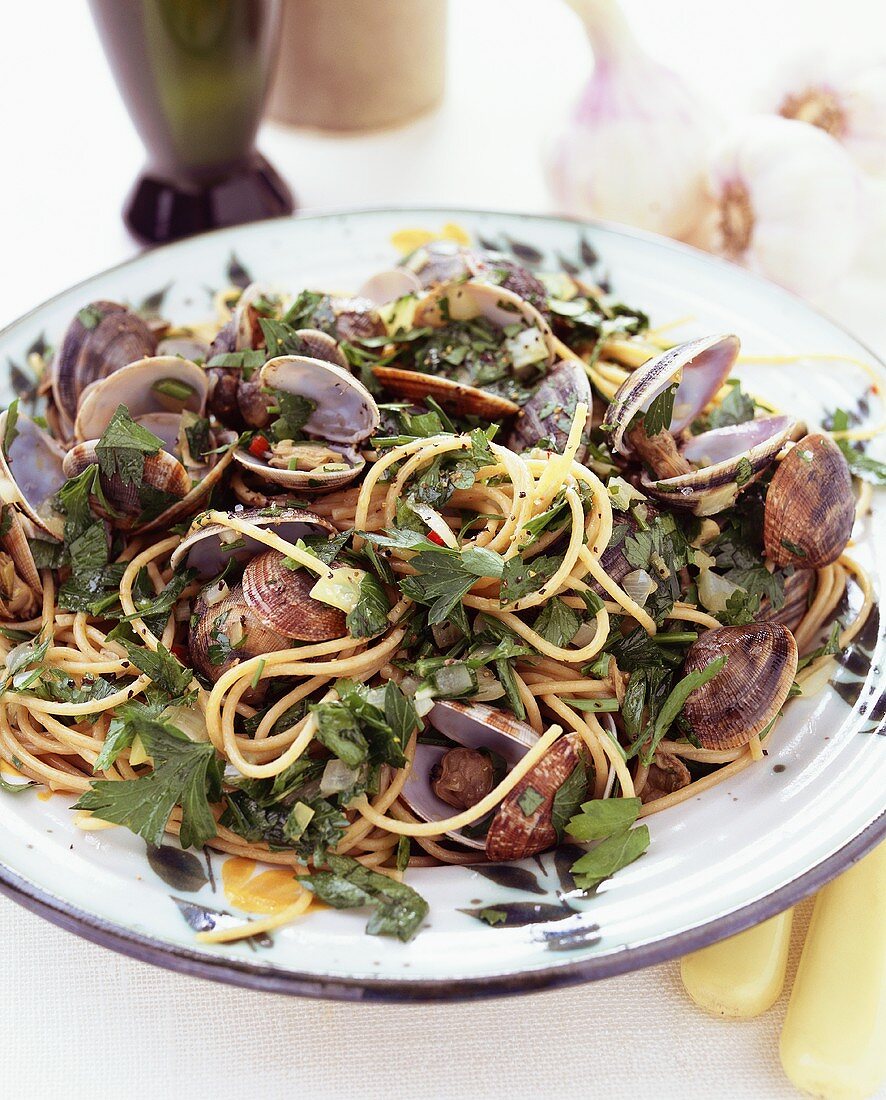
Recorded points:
(295, 411)
(123, 447)
(557, 622)
(609, 856)
(186, 773)
(602, 817)
(735, 408)
(166, 672)
(520, 577)
(399, 910)
(442, 579)
(658, 416)
(370, 614)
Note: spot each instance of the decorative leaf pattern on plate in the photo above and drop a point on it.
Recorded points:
(512, 876)
(201, 918)
(854, 672)
(237, 274)
(178, 869)
(518, 914)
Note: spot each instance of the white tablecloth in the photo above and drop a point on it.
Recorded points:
(79, 1021)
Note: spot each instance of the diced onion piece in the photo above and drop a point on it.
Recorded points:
(488, 688)
(137, 752)
(639, 586)
(190, 720)
(436, 523)
(622, 494)
(341, 590)
(215, 593)
(526, 348)
(337, 776)
(713, 590)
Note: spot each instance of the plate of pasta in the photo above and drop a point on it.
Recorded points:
(430, 604)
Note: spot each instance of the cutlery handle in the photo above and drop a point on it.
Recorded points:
(742, 976)
(833, 1042)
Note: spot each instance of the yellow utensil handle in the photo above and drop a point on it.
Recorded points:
(833, 1043)
(742, 976)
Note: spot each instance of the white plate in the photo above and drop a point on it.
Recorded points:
(719, 863)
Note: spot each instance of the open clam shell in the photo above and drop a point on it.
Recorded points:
(31, 473)
(281, 598)
(16, 542)
(750, 689)
(504, 271)
(455, 397)
(469, 300)
(438, 262)
(138, 386)
(344, 414)
(547, 416)
(246, 319)
(388, 286)
(514, 833)
(103, 337)
(810, 506)
(465, 301)
(732, 457)
(208, 547)
(474, 726)
(702, 367)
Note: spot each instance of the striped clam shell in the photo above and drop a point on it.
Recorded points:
(702, 365)
(734, 457)
(750, 689)
(547, 415)
(473, 726)
(810, 506)
(281, 598)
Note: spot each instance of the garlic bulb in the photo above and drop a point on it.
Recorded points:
(633, 149)
(785, 200)
(845, 97)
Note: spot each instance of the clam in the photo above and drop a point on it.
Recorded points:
(667, 773)
(184, 347)
(455, 397)
(438, 262)
(281, 599)
(810, 507)
(162, 383)
(748, 692)
(521, 827)
(225, 632)
(729, 459)
(103, 337)
(344, 415)
(799, 587)
(467, 301)
(15, 541)
(132, 502)
(388, 286)
(444, 779)
(700, 366)
(208, 547)
(546, 417)
(31, 473)
(246, 318)
(505, 271)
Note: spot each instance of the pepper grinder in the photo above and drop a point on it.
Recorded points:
(194, 76)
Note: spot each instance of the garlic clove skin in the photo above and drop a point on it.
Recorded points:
(845, 97)
(786, 201)
(634, 147)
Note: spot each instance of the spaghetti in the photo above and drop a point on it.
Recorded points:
(542, 593)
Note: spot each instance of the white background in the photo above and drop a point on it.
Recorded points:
(79, 1021)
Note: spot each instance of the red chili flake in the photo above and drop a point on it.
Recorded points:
(259, 446)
